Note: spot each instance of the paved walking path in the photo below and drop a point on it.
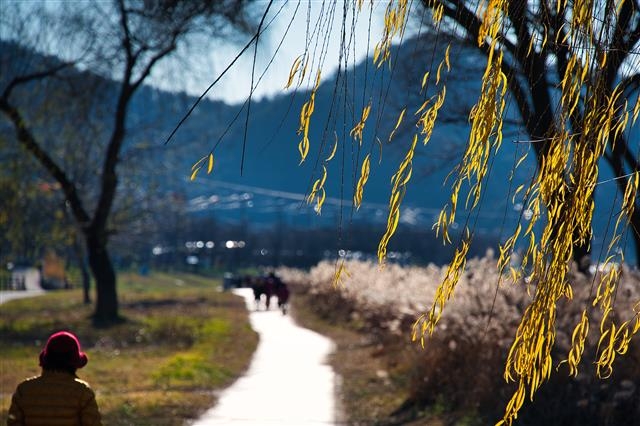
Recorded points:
(288, 382)
(31, 279)
(5, 296)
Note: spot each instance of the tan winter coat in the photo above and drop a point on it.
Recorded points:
(54, 399)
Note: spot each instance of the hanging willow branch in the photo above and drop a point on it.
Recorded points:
(587, 118)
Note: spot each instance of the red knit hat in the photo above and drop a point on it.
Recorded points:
(63, 349)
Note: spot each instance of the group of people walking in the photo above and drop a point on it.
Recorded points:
(269, 286)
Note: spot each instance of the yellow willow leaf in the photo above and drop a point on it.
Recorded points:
(507, 249)
(321, 198)
(341, 271)
(400, 118)
(323, 179)
(438, 72)
(438, 13)
(414, 329)
(210, 165)
(394, 24)
(442, 225)
(636, 323)
(524, 157)
(399, 181)
(428, 118)
(317, 191)
(376, 54)
(402, 176)
(544, 38)
(364, 176)
(303, 148)
(577, 343)
(425, 77)
(356, 132)
(530, 46)
(624, 338)
(636, 110)
(304, 71)
(630, 193)
(195, 172)
(622, 124)
(585, 70)
(392, 224)
(305, 118)
(607, 353)
(619, 7)
(423, 106)
(333, 151)
(446, 57)
(491, 20)
(517, 191)
(318, 75)
(603, 59)
(515, 274)
(293, 71)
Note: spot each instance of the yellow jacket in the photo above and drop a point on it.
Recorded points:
(54, 399)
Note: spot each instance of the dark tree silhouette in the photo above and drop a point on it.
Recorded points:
(125, 40)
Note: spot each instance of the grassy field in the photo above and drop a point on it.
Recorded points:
(181, 342)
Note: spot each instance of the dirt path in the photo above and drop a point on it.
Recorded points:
(288, 381)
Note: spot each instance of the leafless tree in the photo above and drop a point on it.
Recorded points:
(120, 40)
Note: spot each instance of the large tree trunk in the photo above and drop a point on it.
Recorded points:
(106, 310)
(86, 282)
(84, 270)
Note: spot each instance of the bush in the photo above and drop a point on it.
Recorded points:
(461, 368)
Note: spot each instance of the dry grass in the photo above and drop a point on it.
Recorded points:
(457, 378)
(162, 366)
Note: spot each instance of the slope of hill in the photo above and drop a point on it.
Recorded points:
(258, 177)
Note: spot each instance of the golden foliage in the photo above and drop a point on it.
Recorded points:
(356, 132)
(305, 120)
(399, 183)
(426, 323)
(200, 163)
(394, 25)
(400, 118)
(340, 274)
(294, 70)
(559, 199)
(362, 181)
(485, 135)
(317, 192)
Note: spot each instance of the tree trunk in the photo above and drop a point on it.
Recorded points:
(106, 310)
(81, 258)
(86, 282)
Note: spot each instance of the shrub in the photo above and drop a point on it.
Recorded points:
(462, 364)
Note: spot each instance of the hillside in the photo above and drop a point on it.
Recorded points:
(268, 185)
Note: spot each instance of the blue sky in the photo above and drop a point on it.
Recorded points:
(234, 87)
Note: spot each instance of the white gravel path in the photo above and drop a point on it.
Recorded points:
(288, 382)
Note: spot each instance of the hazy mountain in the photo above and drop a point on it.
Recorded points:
(258, 177)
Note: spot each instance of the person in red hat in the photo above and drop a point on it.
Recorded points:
(57, 396)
